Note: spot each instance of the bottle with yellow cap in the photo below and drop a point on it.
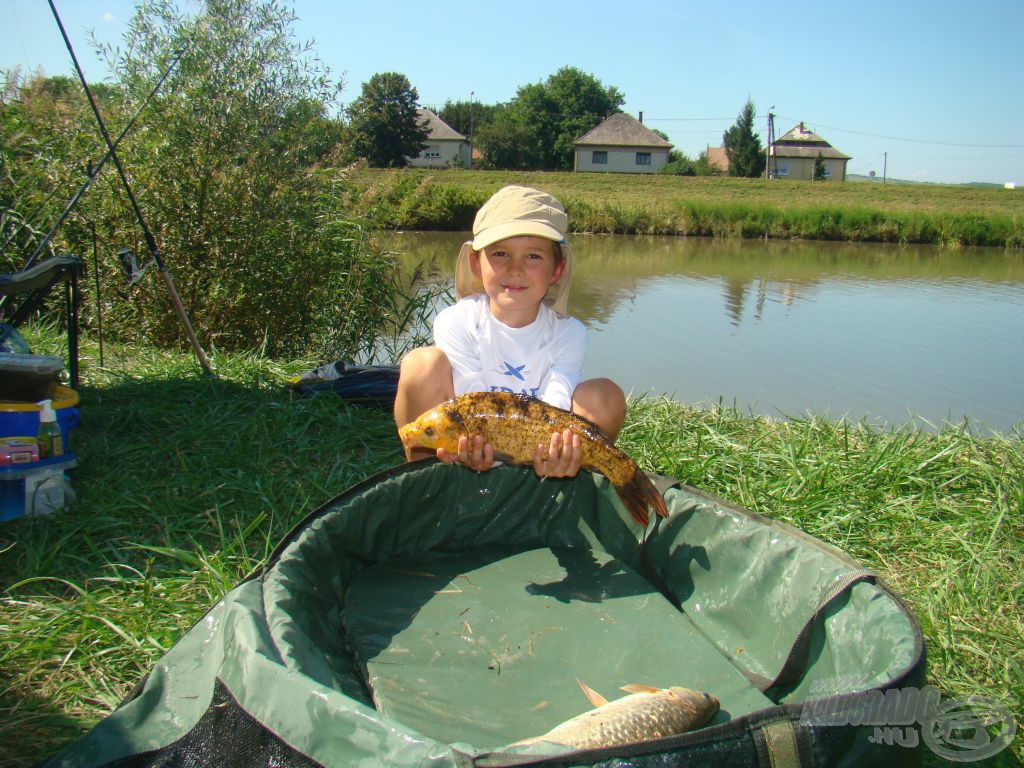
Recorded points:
(51, 441)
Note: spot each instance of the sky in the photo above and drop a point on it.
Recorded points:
(913, 89)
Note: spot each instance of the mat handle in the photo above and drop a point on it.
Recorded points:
(778, 745)
(799, 653)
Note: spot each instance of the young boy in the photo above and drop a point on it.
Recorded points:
(501, 335)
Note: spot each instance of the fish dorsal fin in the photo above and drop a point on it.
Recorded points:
(637, 688)
(593, 696)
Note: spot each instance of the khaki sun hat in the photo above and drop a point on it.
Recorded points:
(514, 211)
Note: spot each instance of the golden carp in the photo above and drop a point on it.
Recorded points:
(647, 713)
(514, 424)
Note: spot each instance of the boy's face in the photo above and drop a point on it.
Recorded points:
(516, 273)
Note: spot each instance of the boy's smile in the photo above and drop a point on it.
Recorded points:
(516, 273)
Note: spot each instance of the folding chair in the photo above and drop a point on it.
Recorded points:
(32, 285)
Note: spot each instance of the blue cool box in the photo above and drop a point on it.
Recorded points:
(39, 486)
(21, 419)
(35, 488)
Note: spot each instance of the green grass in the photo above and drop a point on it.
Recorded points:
(186, 482)
(948, 215)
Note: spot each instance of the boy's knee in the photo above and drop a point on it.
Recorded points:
(603, 402)
(423, 364)
(424, 380)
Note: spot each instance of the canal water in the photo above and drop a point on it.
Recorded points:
(883, 333)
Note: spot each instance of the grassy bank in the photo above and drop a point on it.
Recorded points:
(946, 215)
(185, 482)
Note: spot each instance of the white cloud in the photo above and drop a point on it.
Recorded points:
(108, 16)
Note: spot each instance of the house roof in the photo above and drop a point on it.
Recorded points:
(621, 130)
(439, 129)
(798, 141)
(812, 152)
(718, 158)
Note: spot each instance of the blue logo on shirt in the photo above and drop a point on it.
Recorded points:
(513, 370)
(532, 392)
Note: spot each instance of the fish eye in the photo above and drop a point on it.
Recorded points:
(429, 431)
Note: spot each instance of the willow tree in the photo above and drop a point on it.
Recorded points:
(230, 164)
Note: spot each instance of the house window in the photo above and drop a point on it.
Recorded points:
(643, 158)
(828, 172)
(432, 154)
(600, 157)
(782, 170)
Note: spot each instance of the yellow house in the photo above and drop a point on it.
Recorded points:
(793, 156)
(620, 144)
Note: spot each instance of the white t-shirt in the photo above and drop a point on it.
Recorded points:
(543, 359)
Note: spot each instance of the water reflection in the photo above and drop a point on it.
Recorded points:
(861, 330)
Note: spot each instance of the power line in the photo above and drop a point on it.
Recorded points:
(872, 161)
(961, 157)
(867, 133)
(821, 125)
(916, 141)
(690, 119)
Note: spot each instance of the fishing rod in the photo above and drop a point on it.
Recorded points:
(93, 173)
(154, 251)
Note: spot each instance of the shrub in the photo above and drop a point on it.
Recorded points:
(228, 167)
(681, 166)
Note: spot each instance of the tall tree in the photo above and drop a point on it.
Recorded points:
(383, 123)
(743, 146)
(538, 127)
(579, 101)
(507, 142)
(466, 117)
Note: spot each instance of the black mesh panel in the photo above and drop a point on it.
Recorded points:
(227, 737)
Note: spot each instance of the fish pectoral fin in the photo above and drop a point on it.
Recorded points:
(593, 696)
(638, 688)
(505, 457)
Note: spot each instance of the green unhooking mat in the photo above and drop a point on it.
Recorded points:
(485, 648)
(434, 616)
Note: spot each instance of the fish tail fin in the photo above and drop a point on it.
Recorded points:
(638, 493)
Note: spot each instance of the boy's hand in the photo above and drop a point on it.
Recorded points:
(561, 458)
(476, 455)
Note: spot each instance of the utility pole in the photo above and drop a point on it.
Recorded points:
(769, 172)
(768, 149)
(471, 129)
(885, 165)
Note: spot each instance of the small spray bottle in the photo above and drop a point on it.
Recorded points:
(51, 442)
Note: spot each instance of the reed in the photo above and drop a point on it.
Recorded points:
(187, 481)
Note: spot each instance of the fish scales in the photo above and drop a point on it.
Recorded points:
(634, 718)
(514, 424)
